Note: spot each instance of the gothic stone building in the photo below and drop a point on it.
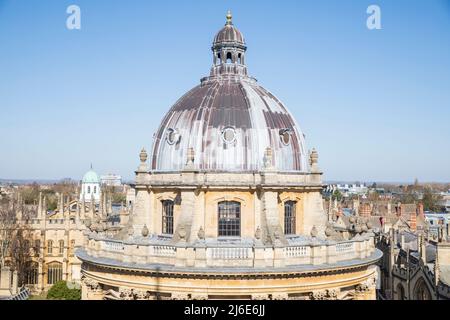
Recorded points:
(414, 267)
(228, 205)
(52, 237)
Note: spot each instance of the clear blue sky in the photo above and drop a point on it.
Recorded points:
(375, 104)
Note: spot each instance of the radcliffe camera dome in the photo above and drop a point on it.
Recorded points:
(229, 197)
(229, 120)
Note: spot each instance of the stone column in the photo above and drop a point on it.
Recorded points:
(198, 219)
(183, 229)
(273, 231)
(142, 210)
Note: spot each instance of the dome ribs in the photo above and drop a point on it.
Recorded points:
(229, 100)
(255, 114)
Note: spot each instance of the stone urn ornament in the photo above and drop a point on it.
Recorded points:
(201, 234)
(329, 231)
(130, 231)
(182, 233)
(258, 233)
(314, 232)
(144, 231)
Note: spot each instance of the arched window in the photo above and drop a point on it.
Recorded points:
(89, 189)
(167, 217)
(421, 291)
(229, 57)
(219, 59)
(239, 58)
(95, 189)
(54, 272)
(229, 219)
(400, 292)
(49, 246)
(61, 246)
(31, 273)
(289, 217)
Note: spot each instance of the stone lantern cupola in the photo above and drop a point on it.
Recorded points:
(229, 51)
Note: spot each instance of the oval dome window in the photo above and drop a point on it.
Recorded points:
(172, 136)
(229, 135)
(285, 136)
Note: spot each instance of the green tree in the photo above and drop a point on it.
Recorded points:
(60, 291)
(430, 201)
(336, 195)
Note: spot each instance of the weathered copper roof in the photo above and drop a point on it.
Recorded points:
(229, 121)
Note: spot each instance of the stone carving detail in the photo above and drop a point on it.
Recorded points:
(332, 294)
(126, 294)
(329, 294)
(280, 296)
(260, 296)
(318, 295)
(141, 295)
(90, 283)
(199, 297)
(180, 296)
(361, 288)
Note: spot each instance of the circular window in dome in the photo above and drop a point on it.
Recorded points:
(172, 136)
(229, 135)
(285, 136)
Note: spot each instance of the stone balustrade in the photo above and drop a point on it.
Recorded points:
(202, 254)
(251, 179)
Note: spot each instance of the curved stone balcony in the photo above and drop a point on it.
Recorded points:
(148, 253)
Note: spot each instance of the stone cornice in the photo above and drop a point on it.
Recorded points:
(229, 273)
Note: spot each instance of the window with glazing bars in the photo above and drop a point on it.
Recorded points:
(54, 272)
(289, 217)
(49, 246)
(229, 219)
(31, 273)
(167, 217)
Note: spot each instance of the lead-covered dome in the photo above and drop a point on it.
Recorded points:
(228, 121)
(229, 33)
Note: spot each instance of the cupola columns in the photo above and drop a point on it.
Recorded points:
(229, 50)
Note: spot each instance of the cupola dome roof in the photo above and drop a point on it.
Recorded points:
(229, 121)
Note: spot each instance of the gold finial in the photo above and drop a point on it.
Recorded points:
(229, 17)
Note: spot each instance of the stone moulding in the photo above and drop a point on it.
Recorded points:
(162, 270)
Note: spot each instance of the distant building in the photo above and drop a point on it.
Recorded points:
(347, 190)
(90, 187)
(113, 180)
(445, 201)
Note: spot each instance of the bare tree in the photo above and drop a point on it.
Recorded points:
(16, 245)
(8, 225)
